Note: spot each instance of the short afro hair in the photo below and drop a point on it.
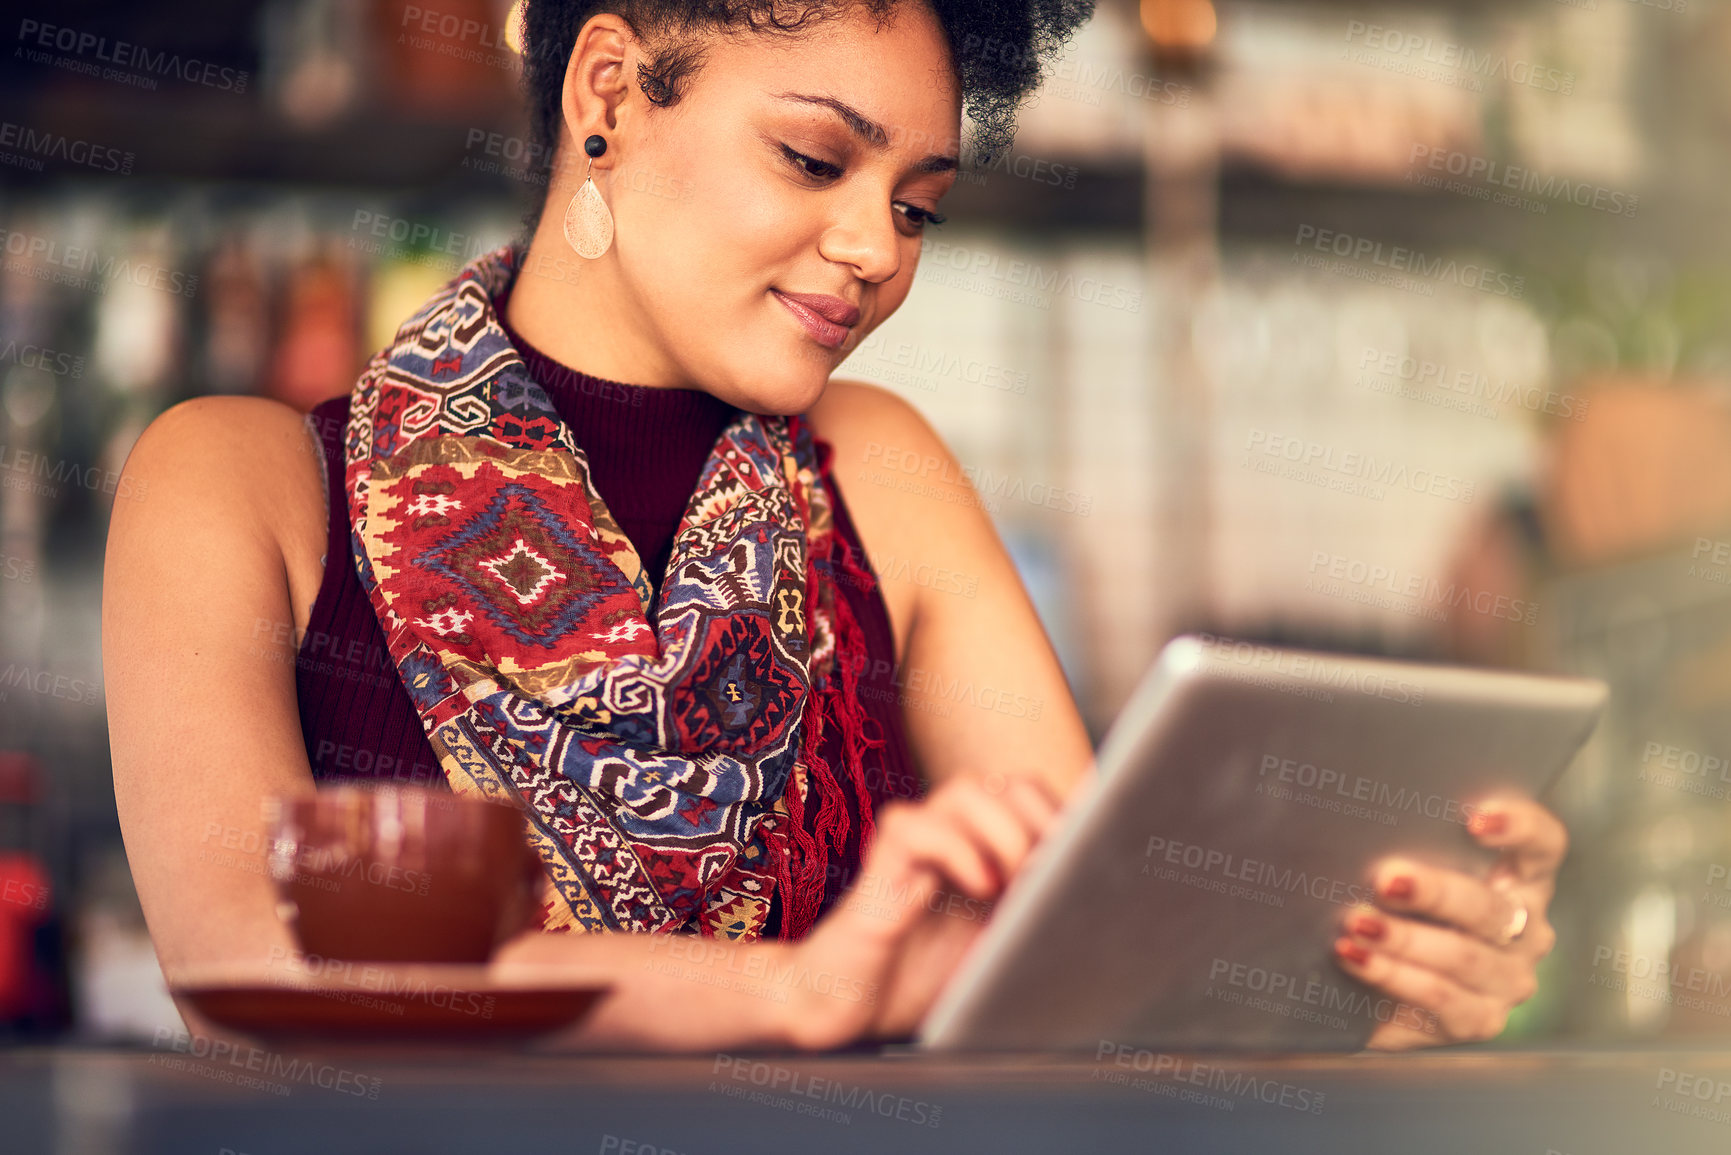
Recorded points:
(999, 49)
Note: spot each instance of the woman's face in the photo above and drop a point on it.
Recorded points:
(791, 167)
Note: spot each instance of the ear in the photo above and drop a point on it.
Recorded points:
(598, 82)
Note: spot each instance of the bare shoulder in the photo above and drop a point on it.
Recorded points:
(859, 416)
(892, 464)
(243, 474)
(916, 512)
(250, 441)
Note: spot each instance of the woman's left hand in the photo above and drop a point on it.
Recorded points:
(1441, 945)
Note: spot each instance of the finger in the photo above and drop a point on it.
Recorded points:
(992, 822)
(1532, 839)
(1038, 805)
(924, 835)
(881, 907)
(1462, 1015)
(1445, 896)
(1473, 963)
(999, 781)
(1398, 1034)
(1027, 802)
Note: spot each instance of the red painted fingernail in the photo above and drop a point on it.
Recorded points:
(1482, 823)
(1352, 952)
(1400, 889)
(1369, 926)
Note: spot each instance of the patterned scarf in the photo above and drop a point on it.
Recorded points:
(664, 745)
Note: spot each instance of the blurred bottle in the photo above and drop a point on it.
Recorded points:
(32, 942)
(238, 335)
(318, 354)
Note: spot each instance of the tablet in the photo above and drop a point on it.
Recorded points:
(1191, 894)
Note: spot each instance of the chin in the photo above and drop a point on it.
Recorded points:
(784, 397)
(781, 384)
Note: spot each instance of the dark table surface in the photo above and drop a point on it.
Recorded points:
(332, 1101)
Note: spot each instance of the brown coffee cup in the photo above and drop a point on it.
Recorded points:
(401, 873)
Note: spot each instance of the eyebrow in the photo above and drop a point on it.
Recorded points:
(868, 129)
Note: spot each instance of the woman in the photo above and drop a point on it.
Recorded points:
(810, 148)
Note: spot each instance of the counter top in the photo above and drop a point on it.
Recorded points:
(372, 1101)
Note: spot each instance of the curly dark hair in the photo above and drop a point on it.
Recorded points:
(999, 49)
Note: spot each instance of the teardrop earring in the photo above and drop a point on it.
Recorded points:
(588, 221)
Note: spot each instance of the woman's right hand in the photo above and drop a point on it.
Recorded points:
(924, 894)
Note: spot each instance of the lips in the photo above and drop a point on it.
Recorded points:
(828, 319)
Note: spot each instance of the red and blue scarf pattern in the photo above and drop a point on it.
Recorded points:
(663, 743)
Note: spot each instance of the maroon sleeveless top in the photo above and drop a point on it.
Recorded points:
(646, 448)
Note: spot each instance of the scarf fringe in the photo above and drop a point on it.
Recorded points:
(836, 703)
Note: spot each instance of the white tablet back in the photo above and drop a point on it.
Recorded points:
(1190, 897)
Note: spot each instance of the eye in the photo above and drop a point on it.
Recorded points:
(919, 217)
(810, 165)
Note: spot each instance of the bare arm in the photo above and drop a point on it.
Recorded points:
(982, 687)
(198, 655)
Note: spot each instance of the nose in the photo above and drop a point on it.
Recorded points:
(863, 235)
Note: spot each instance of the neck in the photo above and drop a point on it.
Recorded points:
(579, 312)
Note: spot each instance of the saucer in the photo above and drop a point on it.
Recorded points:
(388, 1002)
